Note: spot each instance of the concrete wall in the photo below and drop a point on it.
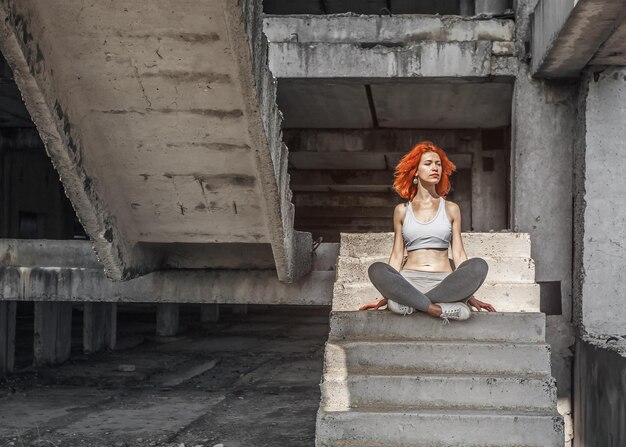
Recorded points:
(543, 140)
(601, 208)
(600, 393)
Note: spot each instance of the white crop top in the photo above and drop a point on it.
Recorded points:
(434, 234)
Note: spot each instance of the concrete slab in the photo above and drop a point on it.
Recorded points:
(410, 358)
(506, 244)
(504, 327)
(421, 427)
(378, 391)
(448, 105)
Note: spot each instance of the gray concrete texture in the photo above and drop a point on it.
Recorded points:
(248, 380)
(599, 392)
(389, 47)
(601, 216)
(192, 86)
(568, 35)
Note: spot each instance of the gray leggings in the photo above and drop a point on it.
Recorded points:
(457, 286)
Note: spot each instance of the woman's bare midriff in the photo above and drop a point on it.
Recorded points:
(428, 260)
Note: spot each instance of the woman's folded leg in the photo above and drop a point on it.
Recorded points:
(393, 286)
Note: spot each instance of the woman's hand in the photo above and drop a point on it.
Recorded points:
(374, 305)
(479, 305)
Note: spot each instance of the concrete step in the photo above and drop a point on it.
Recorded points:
(505, 297)
(501, 269)
(438, 427)
(367, 391)
(507, 327)
(505, 244)
(343, 358)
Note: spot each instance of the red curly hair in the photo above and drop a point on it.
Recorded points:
(407, 168)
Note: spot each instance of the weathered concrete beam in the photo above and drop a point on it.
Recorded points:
(413, 60)
(7, 336)
(52, 341)
(167, 319)
(385, 29)
(566, 34)
(183, 286)
(396, 47)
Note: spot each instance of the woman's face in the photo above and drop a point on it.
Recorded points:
(429, 168)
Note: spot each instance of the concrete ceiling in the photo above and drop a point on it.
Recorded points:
(361, 104)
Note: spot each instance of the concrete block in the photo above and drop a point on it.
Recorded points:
(504, 244)
(346, 358)
(505, 297)
(99, 326)
(7, 336)
(385, 29)
(423, 59)
(167, 319)
(505, 327)
(209, 313)
(52, 341)
(501, 269)
(429, 427)
(498, 393)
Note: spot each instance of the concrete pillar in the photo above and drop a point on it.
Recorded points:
(111, 326)
(52, 341)
(7, 336)
(167, 319)
(240, 309)
(491, 6)
(99, 326)
(209, 313)
(467, 7)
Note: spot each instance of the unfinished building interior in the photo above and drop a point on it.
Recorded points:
(187, 158)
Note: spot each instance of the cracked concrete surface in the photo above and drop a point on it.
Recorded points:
(248, 380)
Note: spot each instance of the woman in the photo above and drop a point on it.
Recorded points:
(426, 226)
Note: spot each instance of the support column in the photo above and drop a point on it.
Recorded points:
(467, 7)
(111, 326)
(491, 6)
(99, 326)
(52, 341)
(209, 313)
(167, 319)
(7, 336)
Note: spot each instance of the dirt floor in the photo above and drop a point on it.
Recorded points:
(250, 380)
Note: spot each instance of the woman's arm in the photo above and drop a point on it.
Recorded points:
(458, 251)
(397, 252)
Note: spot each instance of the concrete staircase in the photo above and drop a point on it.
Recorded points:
(412, 381)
